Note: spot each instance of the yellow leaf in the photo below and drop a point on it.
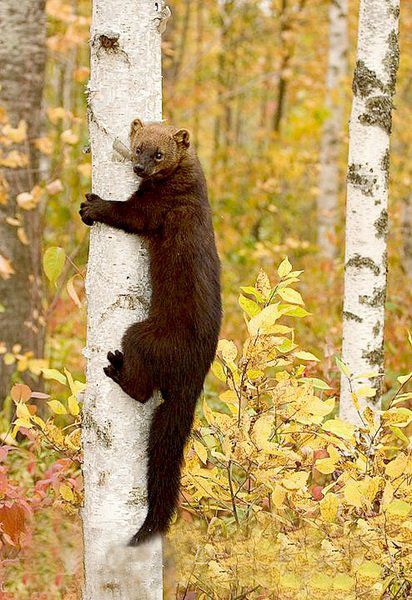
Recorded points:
(340, 428)
(370, 570)
(16, 135)
(365, 391)
(250, 307)
(278, 495)
(399, 508)
(284, 268)
(71, 290)
(321, 581)
(289, 295)
(6, 268)
(352, 493)
(329, 507)
(305, 355)
(22, 411)
(66, 492)
(200, 451)
(397, 466)
(319, 407)
(262, 322)
(54, 187)
(227, 349)
(26, 201)
(73, 405)
(56, 113)
(44, 145)
(22, 235)
(68, 137)
(263, 283)
(55, 375)
(343, 582)
(209, 416)
(9, 359)
(295, 481)
(218, 371)
(262, 430)
(23, 423)
(325, 465)
(57, 407)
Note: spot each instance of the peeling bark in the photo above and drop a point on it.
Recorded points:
(367, 198)
(332, 129)
(22, 60)
(125, 83)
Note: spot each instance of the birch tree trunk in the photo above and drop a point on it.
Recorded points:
(367, 196)
(332, 129)
(125, 83)
(22, 60)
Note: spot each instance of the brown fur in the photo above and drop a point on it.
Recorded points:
(173, 348)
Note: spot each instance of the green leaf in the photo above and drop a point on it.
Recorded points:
(399, 508)
(53, 262)
(55, 375)
(289, 295)
(399, 434)
(404, 378)
(250, 307)
(305, 355)
(293, 311)
(218, 371)
(252, 291)
(365, 391)
(342, 367)
(318, 384)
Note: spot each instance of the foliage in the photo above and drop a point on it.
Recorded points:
(224, 68)
(41, 489)
(285, 499)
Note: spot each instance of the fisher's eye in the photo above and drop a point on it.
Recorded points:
(138, 150)
(159, 155)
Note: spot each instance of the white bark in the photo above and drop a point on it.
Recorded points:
(332, 129)
(367, 195)
(125, 83)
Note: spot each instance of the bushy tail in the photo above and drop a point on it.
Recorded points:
(170, 428)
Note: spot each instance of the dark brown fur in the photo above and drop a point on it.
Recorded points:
(173, 348)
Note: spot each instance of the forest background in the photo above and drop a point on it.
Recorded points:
(249, 81)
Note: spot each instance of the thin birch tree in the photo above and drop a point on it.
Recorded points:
(125, 83)
(367, 199)
(22, 60)
(332, 128)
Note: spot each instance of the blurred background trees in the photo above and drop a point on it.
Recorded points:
(22, 56)
(252, 79)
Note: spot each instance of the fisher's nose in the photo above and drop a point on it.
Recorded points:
(139, 169)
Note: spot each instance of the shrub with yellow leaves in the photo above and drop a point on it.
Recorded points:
(281, 498)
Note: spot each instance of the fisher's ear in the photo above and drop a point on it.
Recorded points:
(135, 127)
(182, 137)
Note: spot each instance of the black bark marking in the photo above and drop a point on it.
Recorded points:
(351, 316)
(377, 299)
(359, 261)
(361, 180)
(381, 224)
(378, 112)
